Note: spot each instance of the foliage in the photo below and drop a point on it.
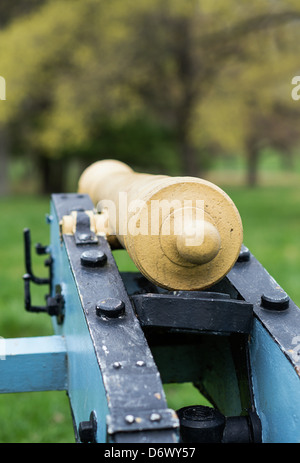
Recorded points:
(206, 77)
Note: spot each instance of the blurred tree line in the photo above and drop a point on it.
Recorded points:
(165, 85)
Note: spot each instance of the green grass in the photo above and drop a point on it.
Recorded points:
(271, 219)
(42, 417)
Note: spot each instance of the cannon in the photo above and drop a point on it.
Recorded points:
(199, 308)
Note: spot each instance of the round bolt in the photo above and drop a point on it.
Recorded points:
(155, 417)
(244, 255)
(140, 363)
(278, 302)
(117, 365)
(84, 236)
(49, 218)
(87, 429)
(129, 419)
(93, 259)
(111, 308)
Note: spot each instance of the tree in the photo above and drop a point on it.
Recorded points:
(253, 99)
(80, 76)
(66, 87)
(191, 47)
(9, 11)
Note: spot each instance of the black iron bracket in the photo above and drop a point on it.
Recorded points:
(209, 312)
(83, 233)
(28, 261)
(54, 305)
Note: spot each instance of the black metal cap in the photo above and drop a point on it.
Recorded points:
(111, 308)
(93, 258)
(201, 424)
(278, 301)
(87, 429)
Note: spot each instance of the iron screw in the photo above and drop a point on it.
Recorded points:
(155, 417)
(93, 259)
(117, 365)
(140, 363)
(49, 218)
(129, 419)
(272, 302)
(244, 255)
(111, 308)
(84, 236)
(87, 429)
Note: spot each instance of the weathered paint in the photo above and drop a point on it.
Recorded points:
(33, 364)
(276, 387)
(95, 344)
(85, 386)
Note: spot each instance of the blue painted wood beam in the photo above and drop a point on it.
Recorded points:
(33, 364)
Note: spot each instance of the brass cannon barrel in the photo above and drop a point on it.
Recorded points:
(182, 233)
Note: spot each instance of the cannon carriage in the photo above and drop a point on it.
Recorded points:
(200, 308)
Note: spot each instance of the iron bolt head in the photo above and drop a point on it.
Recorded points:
(155, 417)
(93, 259)
(277, 302)
(117, 365)
(84, 236)
(244, 255)
(140, 363)
(87, 429)
(110, 308)
(129, 419)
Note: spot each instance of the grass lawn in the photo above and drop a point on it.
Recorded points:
(27, 417)
(271, 218)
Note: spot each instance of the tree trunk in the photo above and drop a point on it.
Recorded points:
(188, 159)
(253, 159)
(52, 175)
(191, 160)
(187, 152)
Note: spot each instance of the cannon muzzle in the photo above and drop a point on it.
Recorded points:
(182, 233)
